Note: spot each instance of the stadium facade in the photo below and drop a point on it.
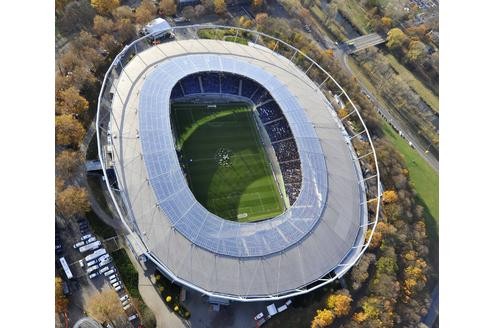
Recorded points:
(316, 240)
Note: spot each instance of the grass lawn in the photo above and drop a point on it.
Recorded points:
(226, 165)
(423, 177)
(424, 92)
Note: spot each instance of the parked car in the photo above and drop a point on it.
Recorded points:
(127, 307)
(87, 236)
(78, 244)
(114, 280)
(91, 269)
(133, 317)
(118, 288)
(90, 240)
(103, 270)
(81, 263)
(91, 263)
(105, 262)
(94, 275)
(116, 284)
(109, 272)
(123, 298)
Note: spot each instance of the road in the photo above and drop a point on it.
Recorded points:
(340, 53)
(363, 42)
(386, 114)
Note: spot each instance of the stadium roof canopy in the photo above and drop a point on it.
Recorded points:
(323, 229)
(174, 197)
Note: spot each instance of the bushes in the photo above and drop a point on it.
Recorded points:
(170, 294)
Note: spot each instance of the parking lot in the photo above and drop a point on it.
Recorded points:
(86, 268)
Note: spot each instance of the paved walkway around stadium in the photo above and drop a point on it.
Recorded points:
(164, 317)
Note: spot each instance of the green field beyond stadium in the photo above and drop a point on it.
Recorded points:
(225, 163)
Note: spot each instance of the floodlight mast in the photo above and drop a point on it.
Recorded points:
(104, 110)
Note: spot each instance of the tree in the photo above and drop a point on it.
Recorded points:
(199, 10)
(188, 12)
(245, 22)
(340, 303)
(67, 162)
(102, 25)
(105, 306)
(72, 201)
(395, 38)
(261, 19)
(123, 12)
(256, 3)
(145, 12)
(220, 7)
(208, 4)
(105, 6)
(61, 302)
(323, 318)
(71, 102)
(125, 30)
(68, 130)
(390, 196)
(386, 21)
(416, 52)
(168, 7)
(77, 15)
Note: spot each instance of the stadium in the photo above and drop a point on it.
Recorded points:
(229, 166)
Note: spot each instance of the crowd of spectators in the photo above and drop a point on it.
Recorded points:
(267, 110)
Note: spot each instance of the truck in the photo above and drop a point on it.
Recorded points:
(95, 254)
(89, 247)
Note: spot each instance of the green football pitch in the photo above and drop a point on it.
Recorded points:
(225, 163)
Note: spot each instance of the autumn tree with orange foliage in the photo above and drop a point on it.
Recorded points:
(72, 201)
(105, 6)
(323, 318)
(169, 7)
(220, 7)
(390, 196)
(145, 12)
(340, 303)
(68, 130)
(256, 3)
(70, 101)
(67, 162)
(105, 306)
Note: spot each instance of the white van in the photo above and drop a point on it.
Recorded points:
(78, 244)
(90, 240)
(94, 275)
(86, 236)
(105, 262)
(91, 269)
(103, 270)
(91, 263)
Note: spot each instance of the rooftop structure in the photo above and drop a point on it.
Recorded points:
(317, 239)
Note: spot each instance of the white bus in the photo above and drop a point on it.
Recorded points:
(68, 273)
